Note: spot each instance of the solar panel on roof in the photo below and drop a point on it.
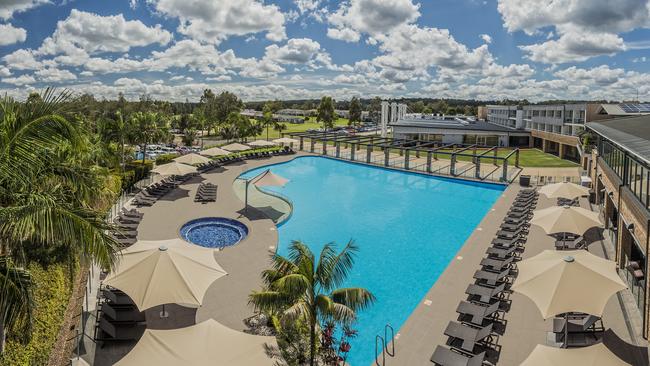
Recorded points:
(635, 107)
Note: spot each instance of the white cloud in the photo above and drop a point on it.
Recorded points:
(344, 34)
(4, 71)
(586, 28)
(53, 75)
(211, 21)
(220, 78)
(350, 79)
(11, 34)
(486, 38)
(20, 80)
(575, 46)
(22, 60)
(94, 33)
(371, 17)
(305, 6)
(9, 7)
(296, 51)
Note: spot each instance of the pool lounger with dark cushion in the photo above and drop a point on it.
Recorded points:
(122, 313)
(445, 357)
(501, 253)
(119, 332)
(116, 296)
(132, 213)
(514, 227)
(510, 234)
(496, 265)
(506, 243)
(468, 335)
(492, 278)
(477, 313)
(485, 293)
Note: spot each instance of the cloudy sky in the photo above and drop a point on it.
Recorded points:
(293, 49)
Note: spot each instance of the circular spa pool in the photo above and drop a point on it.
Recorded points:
(214, 232)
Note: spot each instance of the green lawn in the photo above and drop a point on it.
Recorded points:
(309, 124)
(531, 158)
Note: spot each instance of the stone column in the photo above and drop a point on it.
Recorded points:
(429, 162)
(338, 149)
(368, 153)
(406, 159)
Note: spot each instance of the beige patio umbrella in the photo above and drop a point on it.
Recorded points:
(192, 159)
(264, 179)
(164, 272)
(174, 168)
(261, 143)
(285, 140)
(568, 281)
(596, 355)
(206, 343)
(564, 190)
(236, 147)
(215, 151)
(565, 219)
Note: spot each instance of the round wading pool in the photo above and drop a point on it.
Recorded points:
(214, 232)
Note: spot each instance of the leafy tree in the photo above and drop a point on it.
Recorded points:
(189, 136)
(267, 120)
(16, 302)
(48, 188)
(325, 113)
(355, 112)
(375, 109)
(301, 288)
(116, 129)
(147, 127)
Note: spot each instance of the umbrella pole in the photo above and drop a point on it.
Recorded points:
(566, 330)
(163, 313)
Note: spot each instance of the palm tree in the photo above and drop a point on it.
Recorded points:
(148, 127)
(16, 301)
(299, 288)
(48, 189)
(117, 129)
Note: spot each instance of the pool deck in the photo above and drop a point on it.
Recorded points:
(227, 299)
(525, 328)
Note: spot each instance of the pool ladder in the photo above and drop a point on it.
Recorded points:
(379, 340)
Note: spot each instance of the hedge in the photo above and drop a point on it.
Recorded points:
(51, 296)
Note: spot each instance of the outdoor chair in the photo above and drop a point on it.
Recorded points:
(514, 227)
(122, 313)
(497, 265)
(476, 313)
(501, 253)
(446, 357)
(491, 278)
(119, 332)
(468, 335)
(511, 234)
(506, 243)
(484, 293)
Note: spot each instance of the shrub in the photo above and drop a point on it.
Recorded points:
(165, 158)
(51, 295)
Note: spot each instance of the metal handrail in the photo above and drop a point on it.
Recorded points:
(383, 351)
(391, 353)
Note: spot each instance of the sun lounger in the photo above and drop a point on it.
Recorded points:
(501, 253)
(496, 265)
(506, 243)
(476, 313)
(514, 227)
(121, 313)
(116, 296)
(131, 213)
(510, 234)
(119, 332)
(579, 324)
(467, 335)
(484, 293)
(491, 278)
(445, 357)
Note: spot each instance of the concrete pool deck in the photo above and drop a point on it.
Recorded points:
(227, 299)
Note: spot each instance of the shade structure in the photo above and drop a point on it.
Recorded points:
(174, 168)
(285, 140)
(215, 151)
(192, 159)
(206, 343)
(267, 178)
(568, 281)
(261, 143)
(165, 272)
(596, 355)
(564, 190)
(236, 147)
(565, 219)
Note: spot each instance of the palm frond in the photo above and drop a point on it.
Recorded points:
(16, 298)
(355, 298)
(334, 269)
(294, 284)
(267, 300)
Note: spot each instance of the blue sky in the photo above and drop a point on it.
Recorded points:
(294, 49)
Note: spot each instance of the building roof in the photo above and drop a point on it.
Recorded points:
(630, 133)
(452, 124)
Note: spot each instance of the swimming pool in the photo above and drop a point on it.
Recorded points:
(408, 228)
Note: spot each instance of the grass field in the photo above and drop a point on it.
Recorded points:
(531, 158)
(309, 124)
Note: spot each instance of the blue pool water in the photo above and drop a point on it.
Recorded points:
(408, 227)
(214, 232)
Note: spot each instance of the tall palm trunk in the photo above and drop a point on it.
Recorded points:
(3, 335)
(144, 152)
(312, 342)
